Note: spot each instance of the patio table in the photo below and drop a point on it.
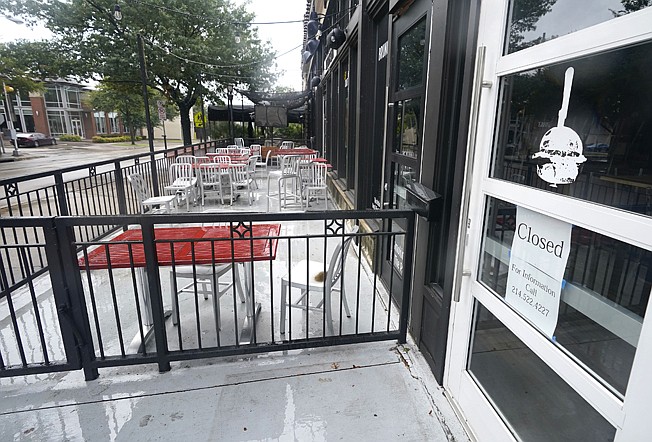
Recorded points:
(235, 158)
(281, 152)
(240, 246)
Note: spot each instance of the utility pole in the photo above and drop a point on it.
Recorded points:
(10, 120)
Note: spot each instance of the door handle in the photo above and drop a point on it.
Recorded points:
(462, 232)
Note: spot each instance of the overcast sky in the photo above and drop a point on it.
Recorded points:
(283, 37)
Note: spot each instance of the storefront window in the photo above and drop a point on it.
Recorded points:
(605, 154)
(57, 123)
(533, 22)
(73, 98)
(604, 292)
(411, 56)
(534, 401)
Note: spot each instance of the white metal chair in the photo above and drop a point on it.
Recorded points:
(189, 159)
(183, 183)
(232, 149)
(239, 142)
(157, 204)
(315, 184)
(252, 163)
(241, 182)
(309, 276)
(255, 149)
(214, 178)
(205, 280)
(261, 166)
(287, 145)
(224, 159)
(245, 151)
(288, 177)
(221, 150)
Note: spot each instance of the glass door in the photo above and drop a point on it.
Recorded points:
(76, 126)
(405, 126)
(551, 338)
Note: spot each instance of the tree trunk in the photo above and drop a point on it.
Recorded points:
(185, 123)
(132, 130)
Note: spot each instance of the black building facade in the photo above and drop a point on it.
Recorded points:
(532, 121)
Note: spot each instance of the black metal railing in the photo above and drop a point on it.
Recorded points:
(107, 302)
(98, 188)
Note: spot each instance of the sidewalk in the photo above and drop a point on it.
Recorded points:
(366, 392)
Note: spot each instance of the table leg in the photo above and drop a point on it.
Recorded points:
(253, 308)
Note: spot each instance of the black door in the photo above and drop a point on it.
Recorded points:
(409, 51)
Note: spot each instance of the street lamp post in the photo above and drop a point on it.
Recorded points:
(229, 96)
(148, 120)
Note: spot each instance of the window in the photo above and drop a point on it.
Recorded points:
(114, 122)
(57, 123)
(407, 118)
(604, 295)
(530, 396)
(53, 97)
(411, 54)
(608, 111)
(100, 122)
(73, 98)
(533, 22)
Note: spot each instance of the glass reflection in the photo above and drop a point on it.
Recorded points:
(610, 111)
(406, 129)
(536, 403)
(533, 22)
(604, 297)
(411, 56)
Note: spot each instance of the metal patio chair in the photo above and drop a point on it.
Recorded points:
(308, 276)
(157, 204)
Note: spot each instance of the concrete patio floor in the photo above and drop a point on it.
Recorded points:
(365, 392)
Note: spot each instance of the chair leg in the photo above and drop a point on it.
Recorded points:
(216, 304)
(284, 289)
(173, 299)
(345, 302)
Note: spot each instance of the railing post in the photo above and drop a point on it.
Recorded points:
(69, 296)
(407, 278)
(61, 194)
(120, 189)
(155, 298)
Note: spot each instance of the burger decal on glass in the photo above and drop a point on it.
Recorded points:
(560, 149)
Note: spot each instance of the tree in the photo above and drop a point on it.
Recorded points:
(189, 45)
(126, 100)
(20, 64)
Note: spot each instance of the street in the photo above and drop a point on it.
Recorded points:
(34, 160)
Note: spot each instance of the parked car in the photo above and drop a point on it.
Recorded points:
(33, 139)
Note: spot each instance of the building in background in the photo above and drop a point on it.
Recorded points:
(61, 110)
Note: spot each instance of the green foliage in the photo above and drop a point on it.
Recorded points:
(70, 137)
(99, 47)
(114, 139)
(126, 100)
(293, 131)
(18, 67)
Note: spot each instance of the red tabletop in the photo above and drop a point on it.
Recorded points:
(235, 157)
(295, 151)
(212, 244)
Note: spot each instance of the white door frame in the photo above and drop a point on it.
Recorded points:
(628, 416)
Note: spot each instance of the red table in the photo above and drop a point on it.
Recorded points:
(282, 152)
(229, 247)
(235, 157)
